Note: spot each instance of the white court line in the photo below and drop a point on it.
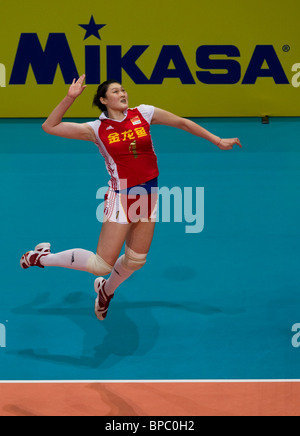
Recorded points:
(149, 381)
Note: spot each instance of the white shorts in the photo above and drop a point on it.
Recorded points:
(126, 208)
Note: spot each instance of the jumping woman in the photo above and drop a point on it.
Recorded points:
(123, 138)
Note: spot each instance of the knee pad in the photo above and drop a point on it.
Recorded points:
(97, 266)
(132, 260)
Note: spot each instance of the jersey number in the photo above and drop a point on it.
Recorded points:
(132, 149)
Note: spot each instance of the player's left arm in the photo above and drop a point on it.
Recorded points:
(165, 118)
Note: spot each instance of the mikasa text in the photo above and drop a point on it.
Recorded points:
(213, 64)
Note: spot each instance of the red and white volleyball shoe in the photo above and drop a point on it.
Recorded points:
(32, 258)
(103, 300)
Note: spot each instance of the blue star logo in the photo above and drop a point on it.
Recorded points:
(92, 29)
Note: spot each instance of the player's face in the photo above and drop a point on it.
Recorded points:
(116, 98)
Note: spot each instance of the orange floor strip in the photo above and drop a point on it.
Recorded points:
(150, 399)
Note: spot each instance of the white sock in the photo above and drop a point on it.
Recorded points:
(118, 276)
(72, 259)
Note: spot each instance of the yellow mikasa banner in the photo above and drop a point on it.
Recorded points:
(195, 58)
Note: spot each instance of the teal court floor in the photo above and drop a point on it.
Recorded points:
(214, 305)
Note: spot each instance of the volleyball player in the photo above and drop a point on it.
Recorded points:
(123, 138)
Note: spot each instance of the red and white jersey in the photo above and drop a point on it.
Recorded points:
(127, 147)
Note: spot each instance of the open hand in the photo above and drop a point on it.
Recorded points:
(227, 144)
(77, 87)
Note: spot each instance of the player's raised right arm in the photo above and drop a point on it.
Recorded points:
(54, 125)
